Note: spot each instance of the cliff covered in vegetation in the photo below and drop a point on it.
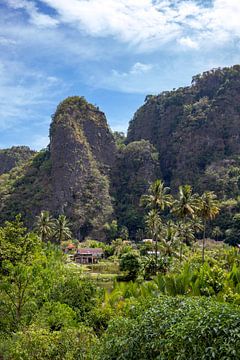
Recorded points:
(189, 135)
(71, 176)
(82, 151)
(16, 155)
(192, 127)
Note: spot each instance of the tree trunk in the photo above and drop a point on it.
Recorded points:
(181, 246)
(156, 255)
(203, 244)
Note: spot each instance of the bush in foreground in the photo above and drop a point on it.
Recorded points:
(178, 328)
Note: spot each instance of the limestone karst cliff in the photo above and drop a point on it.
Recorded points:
(71, 176)
(192, 127)
(16, 155)
(189, 135)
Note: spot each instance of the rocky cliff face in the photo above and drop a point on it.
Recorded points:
(82, 152)
(71, 176)
(194, 126)
(136, 167)
(16, 155)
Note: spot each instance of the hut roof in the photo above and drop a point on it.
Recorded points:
(90, 251)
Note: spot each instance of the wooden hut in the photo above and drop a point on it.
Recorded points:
(88, 255)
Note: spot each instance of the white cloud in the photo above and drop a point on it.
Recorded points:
(137, 69)
(149, 24)
(145, 24)
(36, 17)
(138, 79)
(4, 41)
(188, 42)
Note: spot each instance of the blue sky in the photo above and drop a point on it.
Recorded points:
(113, 52)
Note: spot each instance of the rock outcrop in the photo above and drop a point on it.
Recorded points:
(82, 152)
(194, 126)
(136, 167)
(16, 155)
(71, 176)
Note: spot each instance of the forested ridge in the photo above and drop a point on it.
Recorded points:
(185, 136)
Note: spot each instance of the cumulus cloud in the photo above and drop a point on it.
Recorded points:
(148, 23)
(188, 42)
(137, 69)
(36, 17)
(137, 79)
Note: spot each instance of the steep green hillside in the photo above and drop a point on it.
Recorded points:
(16, 155)
(136, 167)
(192, 127)
(71, 176)
(82, 150)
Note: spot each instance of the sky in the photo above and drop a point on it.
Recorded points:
(112, 52)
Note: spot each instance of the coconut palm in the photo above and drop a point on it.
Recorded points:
(185, 207)
(44, 225)
(169, 239)
(158, 196)
(208, 210)
(139, 234)
(217, 232)
(157, 199)
(62, 230)
(154, 226)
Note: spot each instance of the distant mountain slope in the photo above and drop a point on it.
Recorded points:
(192, 127)
(16, 155)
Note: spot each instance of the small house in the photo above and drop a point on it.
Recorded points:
(69, 248)
(88, 255)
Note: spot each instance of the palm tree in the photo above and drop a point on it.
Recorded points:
(62, 230)
(170, 239)
(217, 232)
(154, 225)
(139, 234)
(44, 225)
(185, 207)
(158, 196)
(157, 199)
(208, 210)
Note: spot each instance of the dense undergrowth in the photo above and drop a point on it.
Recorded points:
(49, 310)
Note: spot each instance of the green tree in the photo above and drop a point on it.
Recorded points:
(139, 234)
(170, 239)
(158, 197)
(15, 243)
(185, 207)
(130, 262)
(18, 290)
(154, 226)
(45, 225)
(217, 232)
(124, 234)
(208, 210)
(61, 228)
(111, 230)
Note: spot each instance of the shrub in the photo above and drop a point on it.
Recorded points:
(130, 262)
(170, 328)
